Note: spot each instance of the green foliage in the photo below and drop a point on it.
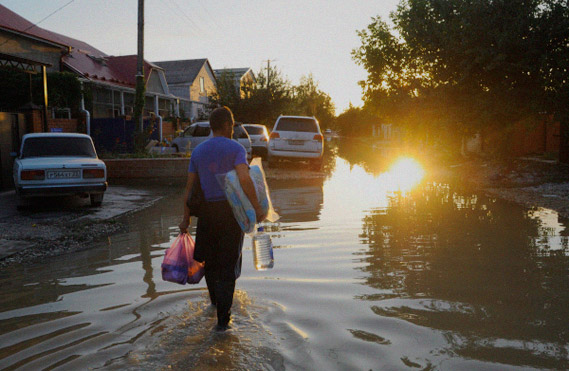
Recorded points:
(459, 66)
(311, 101)
(64, 89)
(356, 121)
(273, 95)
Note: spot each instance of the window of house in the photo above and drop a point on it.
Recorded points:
(202, 85)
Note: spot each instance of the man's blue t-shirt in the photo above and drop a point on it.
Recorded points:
(217, 155)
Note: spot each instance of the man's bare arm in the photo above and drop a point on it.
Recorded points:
(249, 189)
(188, 191)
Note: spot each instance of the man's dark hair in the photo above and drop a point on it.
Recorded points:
(220, 116)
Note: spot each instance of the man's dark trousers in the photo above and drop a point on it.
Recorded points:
(219, 242)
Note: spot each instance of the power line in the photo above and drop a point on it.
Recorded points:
(52, 13)
(186, 16)
(210, 17)
(43, 19)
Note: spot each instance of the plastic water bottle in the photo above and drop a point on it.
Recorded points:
(262, 250)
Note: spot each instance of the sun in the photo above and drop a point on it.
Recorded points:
(405, 173)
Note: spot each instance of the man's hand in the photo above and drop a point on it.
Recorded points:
(261, 215)
(184, 226)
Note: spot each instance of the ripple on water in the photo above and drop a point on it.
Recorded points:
(189, 341)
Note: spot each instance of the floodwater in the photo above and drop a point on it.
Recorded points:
(375, 268)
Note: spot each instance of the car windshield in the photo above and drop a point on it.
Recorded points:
(306, 125)
(57, 147)
(254, 130)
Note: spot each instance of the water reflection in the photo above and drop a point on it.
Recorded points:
(297, 200)
(473, 267)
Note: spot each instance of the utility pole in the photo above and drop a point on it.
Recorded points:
(268, 72)
(140, 96)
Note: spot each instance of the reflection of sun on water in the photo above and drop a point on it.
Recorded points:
(404, 174)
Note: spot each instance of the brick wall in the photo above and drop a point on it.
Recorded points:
(147, 168)
(66, 125)
(168, 129)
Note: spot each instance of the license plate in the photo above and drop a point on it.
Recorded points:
(293, 142)
(63, 174)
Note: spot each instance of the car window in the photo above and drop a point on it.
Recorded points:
(62, 146)
(306, 125)
(254, 130)
(189, 131)
(239, 132)
(202, 131)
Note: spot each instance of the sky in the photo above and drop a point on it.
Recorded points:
(299, 37)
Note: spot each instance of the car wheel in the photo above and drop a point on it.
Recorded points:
(96, 199)
(176, 148)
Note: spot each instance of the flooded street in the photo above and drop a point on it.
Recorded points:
(376, 267)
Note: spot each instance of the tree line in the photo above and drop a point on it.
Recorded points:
(441, 69)
(272, 95)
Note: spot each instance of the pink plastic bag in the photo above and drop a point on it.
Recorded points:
(179, 265)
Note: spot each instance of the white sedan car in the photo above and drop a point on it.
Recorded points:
(59, 164)
(200, 131)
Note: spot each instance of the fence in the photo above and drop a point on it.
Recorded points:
(117, 134)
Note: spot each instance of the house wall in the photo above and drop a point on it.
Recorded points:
(180, 90)
(31, 49)
(209, 82)
(246, 83)
(154, 85)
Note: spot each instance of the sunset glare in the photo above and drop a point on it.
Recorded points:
(405, 174)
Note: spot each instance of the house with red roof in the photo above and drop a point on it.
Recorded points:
(112, 78)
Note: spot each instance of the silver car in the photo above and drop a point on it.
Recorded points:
(200, 131)
(259, 138)
(57, 164)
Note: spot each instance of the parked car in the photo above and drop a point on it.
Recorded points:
(241, 136)
(59, 164)
(296, 137)
(200, 131)
(259, 138)
(192, 136)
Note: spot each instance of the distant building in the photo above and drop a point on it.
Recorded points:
(243, 78)
(193, 80)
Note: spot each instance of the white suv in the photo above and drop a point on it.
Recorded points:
(296, 137)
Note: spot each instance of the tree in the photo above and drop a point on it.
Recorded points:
(311, 101)
(356, 121)
(467, 65)
(273, 95)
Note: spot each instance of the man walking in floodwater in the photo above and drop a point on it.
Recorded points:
(219, 239)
